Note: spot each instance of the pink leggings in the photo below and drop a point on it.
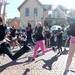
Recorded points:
(72, 40)
(40, 44)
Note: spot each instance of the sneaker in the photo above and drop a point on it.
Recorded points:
(65, 72)
(32, 59)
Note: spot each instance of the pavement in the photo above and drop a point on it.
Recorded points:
(48, 64)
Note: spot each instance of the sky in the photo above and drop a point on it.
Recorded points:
(11, 9)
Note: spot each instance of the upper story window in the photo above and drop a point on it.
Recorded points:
(35, 12)
(44, 9)
(26, 11)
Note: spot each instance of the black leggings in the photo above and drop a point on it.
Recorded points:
(4, 48)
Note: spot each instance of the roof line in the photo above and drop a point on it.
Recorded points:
(26, 1)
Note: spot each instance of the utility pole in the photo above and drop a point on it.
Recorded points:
(4, 11)
(1, 3)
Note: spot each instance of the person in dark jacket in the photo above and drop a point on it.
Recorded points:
(40, 42)
(13, 35)
(59, 40)
(29, 33)
(47, 37)
(4, 46)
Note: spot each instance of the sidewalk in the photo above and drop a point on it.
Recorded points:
(48, 64)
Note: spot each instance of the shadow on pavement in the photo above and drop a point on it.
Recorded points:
(3, 67)
(72, 71)
(65, 52)
(39, 53)
(12, 63)
(26, 71)
(29, 60)
(48, 63)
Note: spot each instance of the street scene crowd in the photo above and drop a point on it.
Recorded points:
(31, 39)
(41, 41)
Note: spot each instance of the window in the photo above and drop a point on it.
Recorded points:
(26, 11)
(35, 12)
(44, 9)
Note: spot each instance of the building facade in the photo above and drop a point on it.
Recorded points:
(13, 22)
(32, 11)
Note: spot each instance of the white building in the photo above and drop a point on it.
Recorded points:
(32, 11)
(59, 12)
